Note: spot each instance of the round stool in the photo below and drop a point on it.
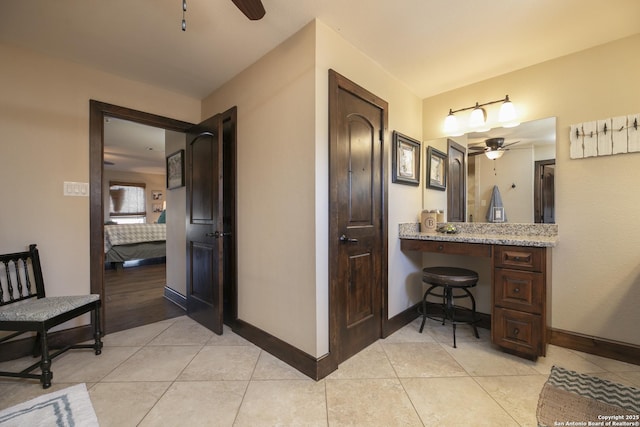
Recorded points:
(450, 279)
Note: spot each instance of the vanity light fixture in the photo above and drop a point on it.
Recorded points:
(184, 9)
(451, 127)
(478, 119)
(507, 117)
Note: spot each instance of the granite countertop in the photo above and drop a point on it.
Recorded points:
(539, 235)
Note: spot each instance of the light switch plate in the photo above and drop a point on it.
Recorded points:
(80, 189)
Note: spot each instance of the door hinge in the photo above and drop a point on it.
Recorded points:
(381, 135)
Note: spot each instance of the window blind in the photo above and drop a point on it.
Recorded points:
(127, 199)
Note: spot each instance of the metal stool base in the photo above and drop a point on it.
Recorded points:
(449, 309)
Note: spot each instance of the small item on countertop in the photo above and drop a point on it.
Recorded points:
(448, 228)
(428, 222)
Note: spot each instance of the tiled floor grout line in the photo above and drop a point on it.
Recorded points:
(506, 410)
(496, 375)
(413, 405)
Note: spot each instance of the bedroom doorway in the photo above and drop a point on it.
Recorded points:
(136, 294)
(140, 258)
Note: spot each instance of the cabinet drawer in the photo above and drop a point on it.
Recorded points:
(519, 290)
(518, 331)
(519, 257)
(451, 248)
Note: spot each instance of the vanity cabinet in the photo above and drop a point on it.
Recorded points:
(520, 256)
(520, 278)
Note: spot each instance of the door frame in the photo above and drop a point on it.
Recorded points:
(337, 82)
(538, 178)
(97, 113)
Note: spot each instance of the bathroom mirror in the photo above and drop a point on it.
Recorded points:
(523, 174)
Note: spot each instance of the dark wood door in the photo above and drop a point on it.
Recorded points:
(544, 191)
(357, 241)
(456, 177)
(210, 175)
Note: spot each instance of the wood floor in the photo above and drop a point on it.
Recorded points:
(134, 296)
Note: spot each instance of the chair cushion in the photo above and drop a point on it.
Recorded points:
(39, 310)
(450, 276)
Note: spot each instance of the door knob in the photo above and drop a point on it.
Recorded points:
(345, 239)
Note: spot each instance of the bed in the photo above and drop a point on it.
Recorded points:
(127, 242)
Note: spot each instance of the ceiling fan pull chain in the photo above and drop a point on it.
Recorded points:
(184, 9)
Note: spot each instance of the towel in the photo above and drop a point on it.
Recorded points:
(493, 214)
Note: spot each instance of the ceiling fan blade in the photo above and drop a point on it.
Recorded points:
(477, 147)
(476, 153)
(511, 143)
(253, 9)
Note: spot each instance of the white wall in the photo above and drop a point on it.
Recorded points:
(596, 270)
(514, 168)
(176, 222)
(44, 141)
(275, 190)
(283, 191)
(333, 52)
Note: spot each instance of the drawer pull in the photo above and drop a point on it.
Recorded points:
(516, 331)
(521, 258)
(516, 290)
(440, 248)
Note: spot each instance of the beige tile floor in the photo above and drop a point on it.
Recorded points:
(177, 373)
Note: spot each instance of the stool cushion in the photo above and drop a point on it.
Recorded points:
(450, 276)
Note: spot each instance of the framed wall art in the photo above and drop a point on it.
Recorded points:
(405, 160)
(175, 170)
(436, 169)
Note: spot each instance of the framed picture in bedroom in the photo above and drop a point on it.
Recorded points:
(405, 160)
(175, 170)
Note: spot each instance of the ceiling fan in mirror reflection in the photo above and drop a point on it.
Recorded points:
(493, 148)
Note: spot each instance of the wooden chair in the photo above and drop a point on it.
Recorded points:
(27, 310)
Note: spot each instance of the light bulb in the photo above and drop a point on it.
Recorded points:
(494, 154)
(507, 116)
(450, 126)
(477, 120)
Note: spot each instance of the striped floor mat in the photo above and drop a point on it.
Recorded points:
(569, 398)
(70, 407)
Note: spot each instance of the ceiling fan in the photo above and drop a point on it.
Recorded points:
(253, 9)
(493, 148)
